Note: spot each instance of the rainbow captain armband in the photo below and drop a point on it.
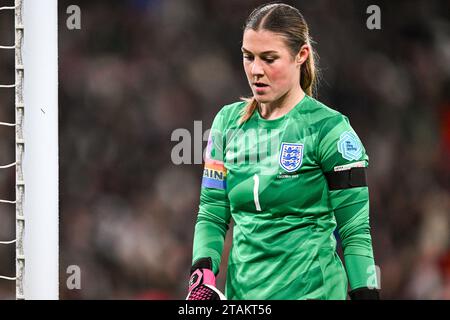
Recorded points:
(214, 174)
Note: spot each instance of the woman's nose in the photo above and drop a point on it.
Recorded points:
(257, 68)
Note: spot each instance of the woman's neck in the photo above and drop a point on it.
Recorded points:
(281, 106)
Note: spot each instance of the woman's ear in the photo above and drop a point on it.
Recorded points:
(303, 54)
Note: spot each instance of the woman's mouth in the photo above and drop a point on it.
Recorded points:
(260, 87)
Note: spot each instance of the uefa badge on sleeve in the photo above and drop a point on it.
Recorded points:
(291, 156)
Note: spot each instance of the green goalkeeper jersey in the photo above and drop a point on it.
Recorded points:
(269, 176)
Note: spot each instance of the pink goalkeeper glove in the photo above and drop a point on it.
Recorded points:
(202, 283)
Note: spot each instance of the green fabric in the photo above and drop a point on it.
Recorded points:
(361, 271)
(283, 243)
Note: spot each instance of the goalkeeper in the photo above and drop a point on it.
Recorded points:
(289, 171)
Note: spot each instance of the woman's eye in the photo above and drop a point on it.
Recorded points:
(269, 60)
(247, 57)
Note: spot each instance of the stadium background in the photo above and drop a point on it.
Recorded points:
(139, 69)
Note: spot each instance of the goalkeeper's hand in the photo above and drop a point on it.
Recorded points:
(202, 283)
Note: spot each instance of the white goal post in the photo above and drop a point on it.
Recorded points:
(40, 156)
(36, 141)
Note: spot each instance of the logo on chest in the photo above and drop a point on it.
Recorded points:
(291, 156)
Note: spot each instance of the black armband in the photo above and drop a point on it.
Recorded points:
(364, 294)
(352, 178)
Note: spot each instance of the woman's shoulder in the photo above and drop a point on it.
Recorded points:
(233, 108)
(320, 109)
(320, 114)
(230, 113)
(325, 119)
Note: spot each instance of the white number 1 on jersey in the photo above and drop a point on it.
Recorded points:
(255, 192)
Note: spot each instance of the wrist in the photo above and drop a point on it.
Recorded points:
(364, 294)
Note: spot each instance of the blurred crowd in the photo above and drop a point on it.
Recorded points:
(139, 69)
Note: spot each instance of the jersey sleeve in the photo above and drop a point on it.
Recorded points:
(340, 149)
(214, 210)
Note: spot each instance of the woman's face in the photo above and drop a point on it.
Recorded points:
(271, 69)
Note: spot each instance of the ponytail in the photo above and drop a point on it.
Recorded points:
(250, 107)
(308, 74)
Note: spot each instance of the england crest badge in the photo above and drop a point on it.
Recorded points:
(291, 156)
